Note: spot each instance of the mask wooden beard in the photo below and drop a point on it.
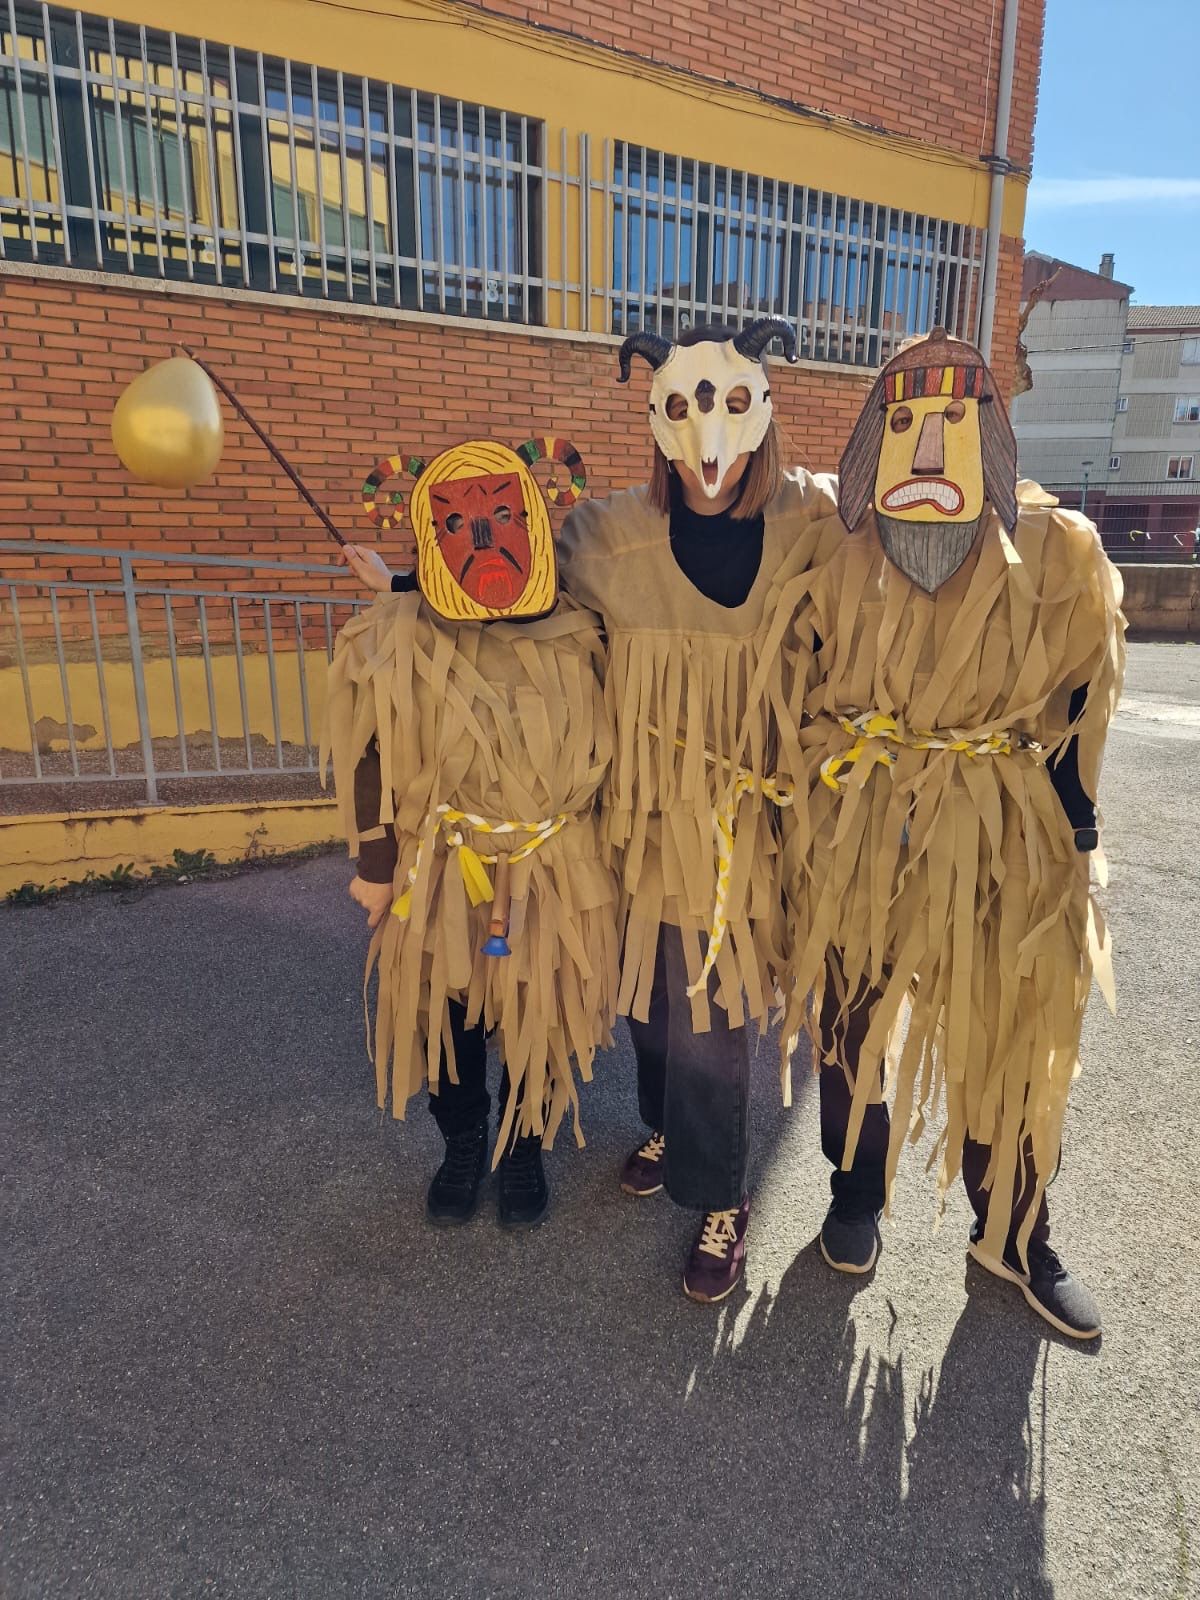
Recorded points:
(927, 552)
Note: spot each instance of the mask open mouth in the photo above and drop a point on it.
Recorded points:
(938, 493)
(709, 471)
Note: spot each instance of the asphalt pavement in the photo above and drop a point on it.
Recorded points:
(239, 1363)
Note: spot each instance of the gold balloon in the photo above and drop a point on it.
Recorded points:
(166, 427)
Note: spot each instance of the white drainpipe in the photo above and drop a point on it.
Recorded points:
(1000, 166)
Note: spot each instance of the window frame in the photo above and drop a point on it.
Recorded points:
(1181, 476)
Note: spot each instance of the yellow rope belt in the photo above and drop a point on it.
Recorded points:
(724, 834)
(874, 731)
(474, 863)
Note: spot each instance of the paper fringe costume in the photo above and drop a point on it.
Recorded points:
(932, 855)
(691, 803)
(493, 742)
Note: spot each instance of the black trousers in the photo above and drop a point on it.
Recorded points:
(863, 1184)
(694, 1088)
(459, 1106)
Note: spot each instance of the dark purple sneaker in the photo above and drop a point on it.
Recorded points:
(642, 1173)
(1051, 1291)
(717, 1260)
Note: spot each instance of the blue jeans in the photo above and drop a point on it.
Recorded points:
(694, 1088)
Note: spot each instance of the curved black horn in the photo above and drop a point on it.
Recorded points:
(651, 346)
(757, 335)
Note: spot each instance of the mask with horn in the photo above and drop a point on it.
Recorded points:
(710, 398)
(485, 547)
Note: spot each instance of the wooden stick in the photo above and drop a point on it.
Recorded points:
(276, 454)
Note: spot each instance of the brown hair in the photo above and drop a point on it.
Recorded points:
(860, 459)
(763, 476)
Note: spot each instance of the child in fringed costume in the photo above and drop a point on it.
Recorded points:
(470, 738)
(686, 574)
(968, 656)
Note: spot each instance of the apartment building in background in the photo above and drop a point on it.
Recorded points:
(1112, 421)
(393, 225)
(1154, 468)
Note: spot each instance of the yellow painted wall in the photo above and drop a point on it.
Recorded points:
(63, 848)
(84, 686)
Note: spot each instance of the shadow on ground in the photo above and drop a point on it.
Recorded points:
(244, 1366)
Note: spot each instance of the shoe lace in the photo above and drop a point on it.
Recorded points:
(520, 1169)
(718, 1233)
(653, 1148)
(1044, 1261)
(462, 1152)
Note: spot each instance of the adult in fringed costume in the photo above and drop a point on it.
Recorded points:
(969, 654)
(470, 737)
(686, 574)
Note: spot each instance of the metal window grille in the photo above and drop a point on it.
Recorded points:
(138, 150)
(693, 242)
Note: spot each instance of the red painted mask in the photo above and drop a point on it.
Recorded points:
(482, 533)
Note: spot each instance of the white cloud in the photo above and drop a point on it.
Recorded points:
(1053, 194)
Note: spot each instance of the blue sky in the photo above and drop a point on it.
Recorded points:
(1116, 162)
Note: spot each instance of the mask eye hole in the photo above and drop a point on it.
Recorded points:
(737, 401)
(502, 514)
(955, 411)
(453, 522)
(901, 420)
(677, 407)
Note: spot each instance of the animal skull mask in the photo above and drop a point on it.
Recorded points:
(710, 402)
(485, 547)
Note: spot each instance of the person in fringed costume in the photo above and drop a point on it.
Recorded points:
(959, 660)
(470, 737)
(686, 574)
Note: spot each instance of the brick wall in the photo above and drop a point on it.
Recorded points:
(336, 392)
(924, 69)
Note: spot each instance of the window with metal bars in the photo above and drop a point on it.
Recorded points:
(694, 242)
(137, 150)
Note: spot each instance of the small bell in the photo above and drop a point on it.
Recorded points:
(496, 943)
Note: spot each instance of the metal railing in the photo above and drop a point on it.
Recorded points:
(117, 678)
(1154, 521)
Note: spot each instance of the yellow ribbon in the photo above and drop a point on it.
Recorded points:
(725, 836)
(873, 731)
(473, 863)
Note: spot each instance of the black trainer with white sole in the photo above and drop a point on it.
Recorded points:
(1063, 1301)
(850, 1237)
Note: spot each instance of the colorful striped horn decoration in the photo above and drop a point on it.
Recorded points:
(559, 450)
(386, 511)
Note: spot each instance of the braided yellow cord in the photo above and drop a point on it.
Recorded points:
(473, 863)
(873, 731)
(724, 835)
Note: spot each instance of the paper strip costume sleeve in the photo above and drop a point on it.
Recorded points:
(483, 728)
(934, 857)
(690, 690)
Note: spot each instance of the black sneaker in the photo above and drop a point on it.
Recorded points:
(454, 1192)
(1064, 1302)
(524, 1194)
(850, 1237)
